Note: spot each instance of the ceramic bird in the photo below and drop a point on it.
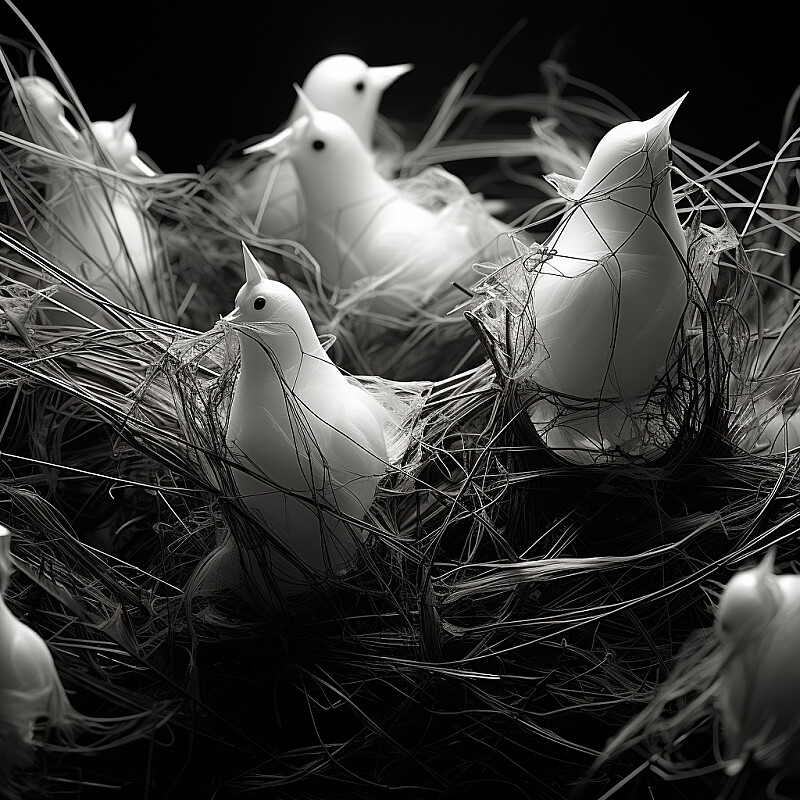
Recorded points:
(342, 84)
(610, 300)
(35, 110)
(303, 429)
(608, 293)
(759, 704)
(99, 230)
(30, 689)
(360, 225)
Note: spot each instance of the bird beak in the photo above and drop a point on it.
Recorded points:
(121, 127)
(139, 166)
(659, 124)
(253, 271)
(70, 129)
(234, 315)
(383, 77)
(278, 144)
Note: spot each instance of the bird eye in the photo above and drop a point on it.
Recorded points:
(360, 86)
(318, 144)
(259, 303)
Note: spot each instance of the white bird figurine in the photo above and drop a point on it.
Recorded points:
(609, 289)
(360, 225)
(609, 302)
(34, 109)
(758, 698)
(341, 84)
(30, 689)
(312, 444)
(99, 229)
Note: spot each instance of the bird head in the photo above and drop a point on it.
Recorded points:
(344, 85)
(749, 601)
(630, 153)
(41, 97)
(271, 305)
(117, 142)
(331, 161)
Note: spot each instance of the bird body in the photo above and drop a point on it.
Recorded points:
(311, 444)
(609, 298)
(26, 669)
(360, 225)
(35, 110)
(758, 699)
(30, 688)
(363, 227)
(99, 229)
(270, 193)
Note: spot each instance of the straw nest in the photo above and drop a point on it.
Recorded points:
(509, 612)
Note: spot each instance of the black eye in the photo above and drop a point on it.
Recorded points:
(359, 87)
(318, 144)
(259, 303)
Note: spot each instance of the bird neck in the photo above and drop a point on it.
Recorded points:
(281, 358)
(622, 211)
(344, 187)
(667, 215)
(363, 127)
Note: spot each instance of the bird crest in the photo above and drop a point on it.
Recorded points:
(272, 305)
(749, 601)
(118, 143)
(122, 125)
(253, 271)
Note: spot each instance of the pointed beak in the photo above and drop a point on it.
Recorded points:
(137, 165)
(69, 128)
(383, 77)
(660, 122)
(234, 316)
(280, 144)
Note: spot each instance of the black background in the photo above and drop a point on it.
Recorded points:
(204, 75)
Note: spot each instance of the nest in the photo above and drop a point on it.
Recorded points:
(503, 595)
